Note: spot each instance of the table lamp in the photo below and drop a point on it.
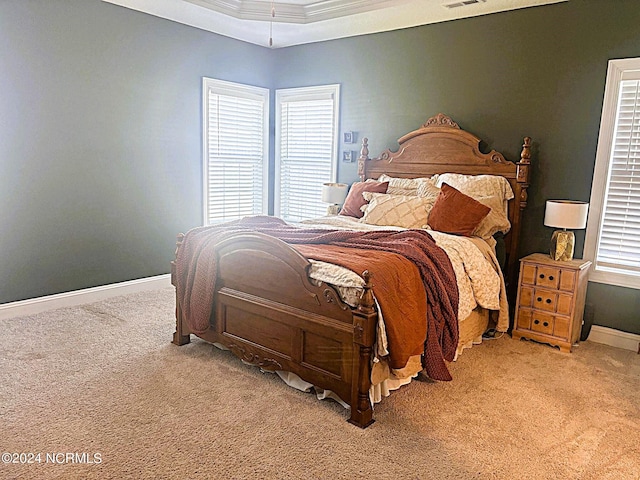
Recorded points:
(565, 214)
(334, 194)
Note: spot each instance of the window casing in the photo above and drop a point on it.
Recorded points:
(235, 150)
(613, 229)
(306, 149)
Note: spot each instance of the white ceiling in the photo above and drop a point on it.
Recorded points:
(306, 21)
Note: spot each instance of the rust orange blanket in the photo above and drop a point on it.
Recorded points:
(397, 287)
(196, 278)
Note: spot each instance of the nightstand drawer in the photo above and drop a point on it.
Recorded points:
(542, 322)
(542, 276)
(545, 323)
(535, 321)
(547, 300)
(544, 300)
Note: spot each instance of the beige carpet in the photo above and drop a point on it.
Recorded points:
(104, 381)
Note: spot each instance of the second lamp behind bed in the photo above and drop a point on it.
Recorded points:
(334, 194)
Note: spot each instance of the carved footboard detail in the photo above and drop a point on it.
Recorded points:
(251, 358)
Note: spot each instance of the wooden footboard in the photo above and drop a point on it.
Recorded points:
(269, 313)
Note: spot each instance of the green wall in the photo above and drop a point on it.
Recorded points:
(100, 140)
(100, 143)
(537, 71)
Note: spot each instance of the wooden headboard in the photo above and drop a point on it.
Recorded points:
(441, 146)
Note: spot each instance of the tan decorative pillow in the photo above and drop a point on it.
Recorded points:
(402, 191)
(403, 186)
(456, 213)
(428, 190)
(406, 211)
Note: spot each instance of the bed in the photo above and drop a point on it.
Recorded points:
(264, 305)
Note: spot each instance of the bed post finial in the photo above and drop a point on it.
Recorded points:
(526, 150)
(362, 159)
(524, 164)
(179, 240)
(366, 300)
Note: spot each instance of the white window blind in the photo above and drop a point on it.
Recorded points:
(306, 139)
(235, 150)
(613, 232)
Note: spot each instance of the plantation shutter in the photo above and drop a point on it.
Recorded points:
(619, 245)
(306, 155)
(235, 150)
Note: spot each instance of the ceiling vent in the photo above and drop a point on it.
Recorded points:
(462, 3)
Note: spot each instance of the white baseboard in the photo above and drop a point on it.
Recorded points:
(615, 338)
(78, 297)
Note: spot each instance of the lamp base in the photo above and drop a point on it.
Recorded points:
(333, 209)
(562, 243)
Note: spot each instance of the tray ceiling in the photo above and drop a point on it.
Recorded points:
(306, 21)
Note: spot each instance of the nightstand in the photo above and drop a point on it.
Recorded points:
(550, 300)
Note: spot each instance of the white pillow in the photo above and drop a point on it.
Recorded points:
(408, 211)
(495, 221)
(478, 186)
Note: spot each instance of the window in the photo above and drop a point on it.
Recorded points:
(236, 149)
(306, 149)
(613, 230)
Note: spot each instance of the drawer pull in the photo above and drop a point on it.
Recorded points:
(539, 299)
(551, 277)
(536, 321)
(546, 324)
(548, 300)
(542, 276)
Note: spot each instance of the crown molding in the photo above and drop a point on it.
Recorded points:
(294, 13)
(252, 10)
(306, 21)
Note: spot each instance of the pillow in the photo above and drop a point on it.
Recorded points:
(427, 190)
(355, 200)
(403, 186)
(477, 186)
(456, 213)
(408, 211)
(496, 221)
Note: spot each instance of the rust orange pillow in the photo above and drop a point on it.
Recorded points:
(456, 213)
(355, 200)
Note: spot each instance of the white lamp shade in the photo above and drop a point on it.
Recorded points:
(334, 193)
(566, 214)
